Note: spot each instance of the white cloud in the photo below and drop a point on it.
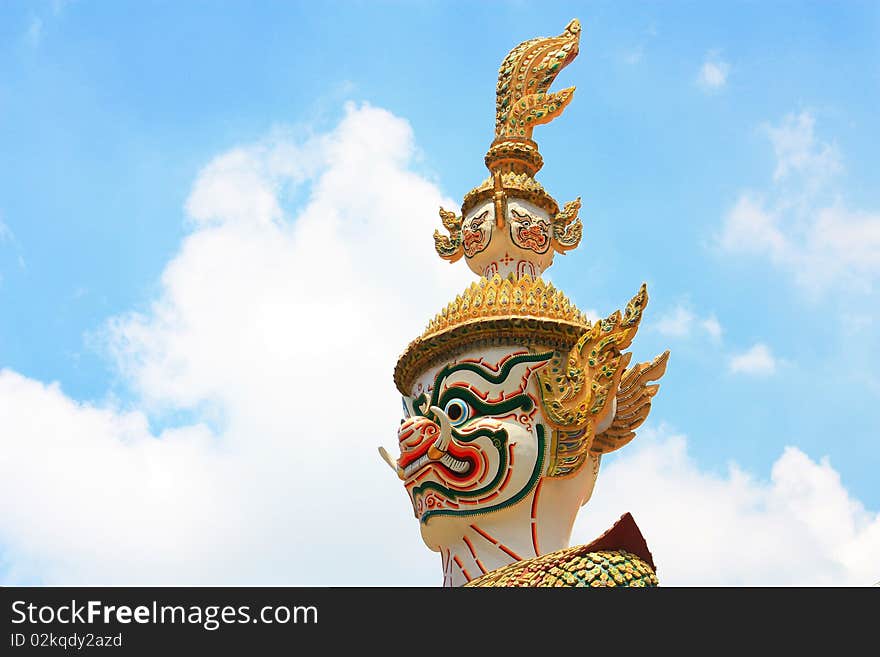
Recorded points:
(593, 315)
(713, 73)
(822, 244)
(282, 333)
(8, 237)
(279, 331)
(801, 527)
(34, 33)
(58, 6)
(799, 152)
(5, 232)
(749, 227)
(757, 360)
(677, 323)
(634, 56)
(712, 326)
(681, 322)
(830, 247)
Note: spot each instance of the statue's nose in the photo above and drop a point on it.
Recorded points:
(414, 433)
(413, 430)
(408, 432)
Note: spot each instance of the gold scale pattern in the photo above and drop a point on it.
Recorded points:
(573, 567)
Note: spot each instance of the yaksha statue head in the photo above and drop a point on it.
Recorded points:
(511, 395)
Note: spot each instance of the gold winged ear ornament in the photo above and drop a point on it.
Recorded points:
(633, 404)
(449, 246)
(580, 388)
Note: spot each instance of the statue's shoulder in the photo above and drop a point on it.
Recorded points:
(620, 557)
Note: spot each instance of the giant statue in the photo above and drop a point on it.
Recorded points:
(511, 395)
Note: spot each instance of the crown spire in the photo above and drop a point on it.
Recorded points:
(509, 224)
(523, 99)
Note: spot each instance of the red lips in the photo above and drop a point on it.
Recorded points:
(416, 436)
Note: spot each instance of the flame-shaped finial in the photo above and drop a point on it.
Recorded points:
(525, 76)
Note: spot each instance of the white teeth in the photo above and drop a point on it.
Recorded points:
(454, 464)
(415, 465)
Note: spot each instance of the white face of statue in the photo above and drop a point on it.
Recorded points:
(521, 246)
(475, 442)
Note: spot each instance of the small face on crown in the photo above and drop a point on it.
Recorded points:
(529, 226)
(521, 245)
(476, 230)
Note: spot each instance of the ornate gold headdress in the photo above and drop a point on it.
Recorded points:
(588, 369)
(494, 311)
(527, 309)
(523, 101)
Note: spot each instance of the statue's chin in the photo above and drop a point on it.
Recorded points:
(558, 502)
(439, 531)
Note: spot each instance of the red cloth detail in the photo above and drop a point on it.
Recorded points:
(624, 535)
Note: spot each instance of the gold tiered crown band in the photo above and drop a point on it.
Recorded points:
(520, 185)
(494, 311)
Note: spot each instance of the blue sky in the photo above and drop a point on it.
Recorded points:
(726, 153)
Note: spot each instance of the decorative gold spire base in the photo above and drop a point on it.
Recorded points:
(518, 156)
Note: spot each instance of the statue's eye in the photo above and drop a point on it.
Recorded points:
(477, 221)
(458, 411)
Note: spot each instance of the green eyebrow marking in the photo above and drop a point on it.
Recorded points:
(483, 372)
(522, 402)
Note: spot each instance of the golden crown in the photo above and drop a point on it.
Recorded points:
(494, 311)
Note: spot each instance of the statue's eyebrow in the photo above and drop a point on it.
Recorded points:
(485, 372)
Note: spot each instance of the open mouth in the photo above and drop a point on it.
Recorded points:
(460, 467)
(457, 467)
(534, 237)
(473, 239)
